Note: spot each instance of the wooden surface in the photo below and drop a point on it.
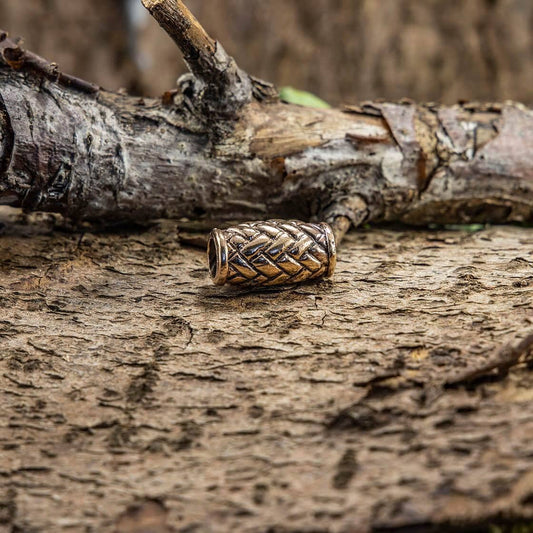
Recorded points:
(138, 397)
(107, 157)
(136, 394)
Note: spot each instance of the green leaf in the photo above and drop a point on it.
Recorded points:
(303, 98)
(470, 228)
(526, 527)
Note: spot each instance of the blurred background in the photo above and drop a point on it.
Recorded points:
(344, 51)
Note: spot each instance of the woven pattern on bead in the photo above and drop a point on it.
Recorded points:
(276, 252)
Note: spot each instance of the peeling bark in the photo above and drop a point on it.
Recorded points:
(108, 157)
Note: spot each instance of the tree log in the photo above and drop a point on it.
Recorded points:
(214, 153)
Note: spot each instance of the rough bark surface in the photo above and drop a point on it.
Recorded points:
(137, 395)
(102, 156)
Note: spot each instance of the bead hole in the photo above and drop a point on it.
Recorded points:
(212, 253)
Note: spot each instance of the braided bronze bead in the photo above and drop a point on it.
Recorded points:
(273, 252)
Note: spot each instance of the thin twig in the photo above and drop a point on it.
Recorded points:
(18, 58)
(340, 227)
(498, 365)
(226, 87)
(197, 47)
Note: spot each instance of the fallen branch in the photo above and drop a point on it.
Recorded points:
(497, 366)
(224, 149)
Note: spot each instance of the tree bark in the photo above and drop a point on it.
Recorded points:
(212, 154)
(136, 394)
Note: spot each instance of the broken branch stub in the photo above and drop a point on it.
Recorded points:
(222, 87)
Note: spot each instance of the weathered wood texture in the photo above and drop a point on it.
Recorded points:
(108, 157)
(222, 147)
(134, 392)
